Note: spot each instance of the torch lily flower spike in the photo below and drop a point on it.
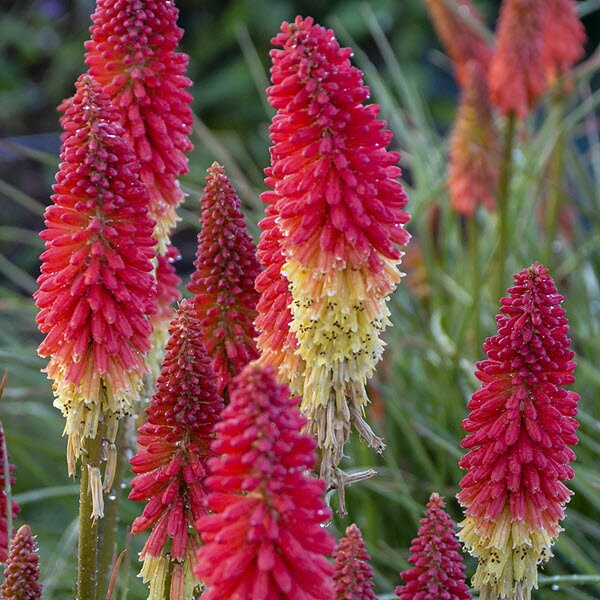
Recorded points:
(538, 40)
(353, 574)
(520, 428)
(439, 570)
(334, 223)
(223, 283)
(265, 537)
(170, 466)
(96, 285)
(22, 572)
(132, 53)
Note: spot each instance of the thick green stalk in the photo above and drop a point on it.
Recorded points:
(87, 554)
(503, 198)
(111, 508)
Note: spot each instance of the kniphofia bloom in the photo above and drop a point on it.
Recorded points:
(265, 537)
(96, 285)
(520, 428)
(439, 570)
(170, 466)
(334, 222)
(223, 283)
(353, 574)
(132, 53)
(22, 572)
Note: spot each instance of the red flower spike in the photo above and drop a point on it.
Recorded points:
(22, 571)
(461, 30)
(173, 450)
(520, 428)
(223, 283)
(564, 37)
(167, 294)
(439, 571)
(15, 508)
(132, 54)
(265, 538)
(353, 574)
(474, 148)
(333, 224)
(96, 284)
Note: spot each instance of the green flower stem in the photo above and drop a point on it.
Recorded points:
(473, 234)
(111, 508)
(503, 198)
(7, 486)
(87, 554)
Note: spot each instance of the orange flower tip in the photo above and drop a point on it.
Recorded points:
(22, 572)
(224, 281)
(96, 289)
(520, 426)
(332, 236)
(264, 537)
(438, 570)
(174, 447)
(353, 574)
(132, 53)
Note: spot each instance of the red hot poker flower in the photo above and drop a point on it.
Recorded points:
(22, 572)
(132, 54)
(223, 283)
(461, 30)
(265, 538)
(353, 574)
(564, 37)
(338, 208)
(474, 147)
(520, 428)
(439, 571)
(96, 287)
(173, 450)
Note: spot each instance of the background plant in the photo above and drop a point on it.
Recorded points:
(420, 391)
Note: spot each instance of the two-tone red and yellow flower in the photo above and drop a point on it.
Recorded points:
(265, 537)
(439, 570)
(462, 31)
(537, 41)
(22, 571)
(520, 428)
(170, 466)
(474, 147)
(223, 283)
(336, 219)
(132, 53)
(353, 574)
(96, 285)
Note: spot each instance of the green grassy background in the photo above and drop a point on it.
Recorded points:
(426, 378)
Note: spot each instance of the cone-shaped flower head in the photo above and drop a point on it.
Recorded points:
(265, 538)
(461, 30)
(22, 571)
(174, 445)
(337, 206)
(132, 54)
(439, 571)
(167, 293)
(15, 508)
(474, 147)
(353, 574)
(96, 287)
(223, 283)
(563, 38)
(520, 427)
(538, 40)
